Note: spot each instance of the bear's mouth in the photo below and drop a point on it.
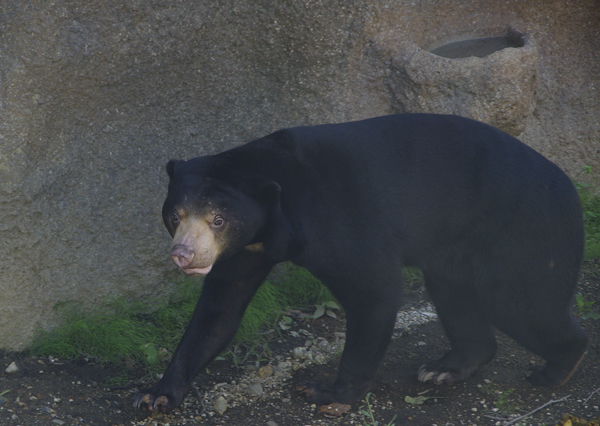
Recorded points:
(197, 271)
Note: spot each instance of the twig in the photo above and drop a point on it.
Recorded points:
(196, 391)
(589, 397)
(199, 396)
(515, 420)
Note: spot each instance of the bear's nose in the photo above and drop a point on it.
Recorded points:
(182, 256)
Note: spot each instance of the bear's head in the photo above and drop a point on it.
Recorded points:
(212, 214)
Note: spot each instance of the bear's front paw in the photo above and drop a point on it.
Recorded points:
(146, 400)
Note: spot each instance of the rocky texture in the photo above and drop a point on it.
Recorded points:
(96, 96)
(490, 79)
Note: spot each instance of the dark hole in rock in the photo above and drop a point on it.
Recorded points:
(480, 47)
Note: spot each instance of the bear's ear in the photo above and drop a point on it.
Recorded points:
(270, 192)
(171, 167)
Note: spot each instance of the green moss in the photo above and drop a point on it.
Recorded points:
(107, 333)
(590, 202)
(121, 330)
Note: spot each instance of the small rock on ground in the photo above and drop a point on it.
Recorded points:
(12, 368)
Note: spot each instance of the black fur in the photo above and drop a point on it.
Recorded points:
(496, 228)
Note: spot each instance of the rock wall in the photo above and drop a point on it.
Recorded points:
(96, 96)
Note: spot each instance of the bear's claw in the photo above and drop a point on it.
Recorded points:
(147, 401)
(436, 377)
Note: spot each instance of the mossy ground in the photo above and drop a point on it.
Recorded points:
(147, 333)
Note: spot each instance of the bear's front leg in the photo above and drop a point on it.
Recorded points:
(369, 327)
(227, 290)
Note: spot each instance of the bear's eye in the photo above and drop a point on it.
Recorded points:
(218, 221)
(175, 218)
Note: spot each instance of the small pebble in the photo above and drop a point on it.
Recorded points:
(255, 390)
(12, 368)
(299, 353)
(266, 371)
(220, 405)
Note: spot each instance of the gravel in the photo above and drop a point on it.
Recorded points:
(269, 380)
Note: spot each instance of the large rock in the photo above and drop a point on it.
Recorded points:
(96, 96)
(487, 77)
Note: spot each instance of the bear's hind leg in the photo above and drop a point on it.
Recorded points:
(471, 336)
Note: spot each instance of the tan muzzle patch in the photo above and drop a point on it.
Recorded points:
(195, 247)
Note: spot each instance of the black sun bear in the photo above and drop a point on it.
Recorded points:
(495, 227)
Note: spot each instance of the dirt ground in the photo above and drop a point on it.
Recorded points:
(65, 392)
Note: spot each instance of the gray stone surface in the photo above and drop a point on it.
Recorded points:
(499, 87)
(96, 96)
